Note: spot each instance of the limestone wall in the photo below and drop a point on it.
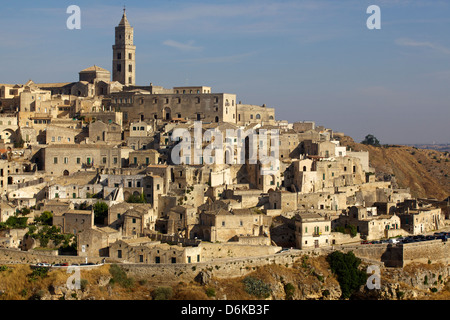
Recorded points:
(213, 251)
(229, 268)
(422, 252)
(35, 256)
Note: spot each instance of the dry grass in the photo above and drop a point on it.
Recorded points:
(426, 172)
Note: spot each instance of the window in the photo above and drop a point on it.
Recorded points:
(119, 254)
(134, 220)
(130, 56)
(66, 160)
(119, 67)
(141, 258)
(157, 187)
(157, 259)
(119, 56)
(104, 160)
(78, 160)
(223, 223)
(174, 260)
(55, 160)
(115, 160)
(130, 68)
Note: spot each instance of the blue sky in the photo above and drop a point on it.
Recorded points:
(311, 60)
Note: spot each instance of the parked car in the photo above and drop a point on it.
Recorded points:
(393, 241)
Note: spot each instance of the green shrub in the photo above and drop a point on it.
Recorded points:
(289, 290)
(83, 284)
(100, 212)
(257, 287)
(345, 266)
(162, 293)
(120, 277)
(39, 272)
(211, 292)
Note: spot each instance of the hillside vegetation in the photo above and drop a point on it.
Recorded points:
(426, 172)
(309, 278)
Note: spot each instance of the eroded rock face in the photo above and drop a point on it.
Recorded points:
(203, 277)
(412, 282)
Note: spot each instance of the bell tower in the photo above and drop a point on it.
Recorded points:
(124, 59)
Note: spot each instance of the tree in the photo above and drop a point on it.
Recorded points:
(345, 266)
(45, 218)
(136, 198)
(100, 212)
(371, 140)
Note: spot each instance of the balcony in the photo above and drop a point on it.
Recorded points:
(317, 234)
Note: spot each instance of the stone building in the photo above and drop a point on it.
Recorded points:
(143, 158)
(370, 224)
(422, 220)
(312, 231)
(100, 132)
(67, 159)
(316, 174)
(95, 242)
(282, 200)
(6, 210)
(205, 107)
(74, 221)
(145, 250)
(179, 220)
(249, 114)
(9, 129)
(93, 74)
(224, 226)
(103, 115)
(55, 134)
